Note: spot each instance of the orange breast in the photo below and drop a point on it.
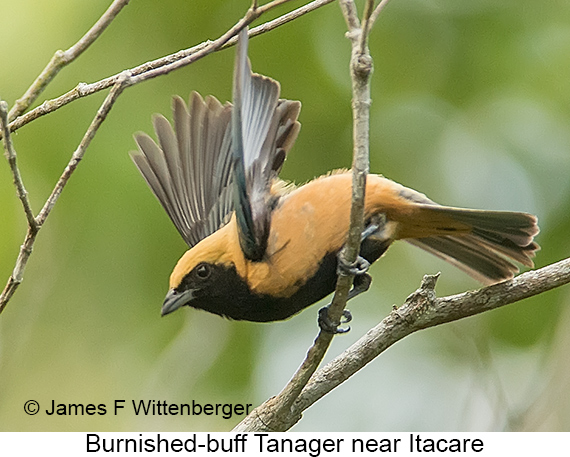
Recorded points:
(311, 222)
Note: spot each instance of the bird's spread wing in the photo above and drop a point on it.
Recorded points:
(263, 130)
(190, 169)
(213, 160)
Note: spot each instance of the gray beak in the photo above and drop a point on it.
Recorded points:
(175, 300)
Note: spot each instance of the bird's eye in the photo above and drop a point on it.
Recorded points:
(203, 271)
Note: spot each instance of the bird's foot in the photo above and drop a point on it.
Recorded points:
(356, 268)
(327, 325)
(361, 284)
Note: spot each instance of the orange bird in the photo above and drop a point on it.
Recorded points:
(262, 250)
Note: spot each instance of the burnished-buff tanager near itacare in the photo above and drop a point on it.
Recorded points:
(262, 250)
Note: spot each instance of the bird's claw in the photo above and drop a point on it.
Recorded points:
(361, 283)
(356, 268)
(327, 325)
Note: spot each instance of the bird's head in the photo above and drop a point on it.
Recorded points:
(202, 269)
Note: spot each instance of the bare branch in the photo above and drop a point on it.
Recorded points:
(252, 14)
(423, 310)
(368, 8)
(377, 11)
(123, 82)
(18, 273)
(360, 72)
(268, 6)
(350, 14)
(10, 153)
(84, 90)
(26, 248)
(277, 414)
(62, 58)
(270, 25)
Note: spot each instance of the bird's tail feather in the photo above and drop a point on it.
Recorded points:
(486, 251)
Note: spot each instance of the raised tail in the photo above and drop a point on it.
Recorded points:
(487, 243)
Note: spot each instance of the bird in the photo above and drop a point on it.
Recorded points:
(262, 249)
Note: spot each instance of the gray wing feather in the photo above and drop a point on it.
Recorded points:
(192, 169)
(263, 129)
(189, 170)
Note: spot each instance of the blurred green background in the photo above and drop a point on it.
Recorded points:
(471, 105)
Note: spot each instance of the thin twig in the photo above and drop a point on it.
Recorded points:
(277, 22)
(62, 58)
(350, 14)
(26, 248)
(17, 275)
(252, 14)
(10, 153)
(360, 72)
(84, 90)
(268, 6)
(368, 9)
(277, 414)
(123, 82)
(377, 11)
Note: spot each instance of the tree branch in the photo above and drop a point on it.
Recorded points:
(377, 11)
(350, 14)
(205, 48)
(278, 414)
(252, 14)
(368, 8)
(62, 58)
(10, 154)
(423, 309)
(122, 83)
(33, 229)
